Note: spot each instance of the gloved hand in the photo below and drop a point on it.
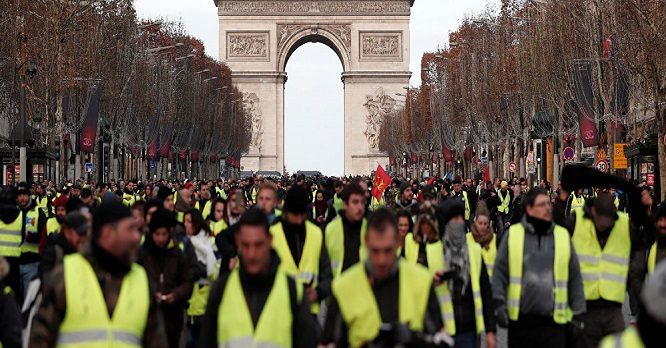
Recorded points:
(502, 316)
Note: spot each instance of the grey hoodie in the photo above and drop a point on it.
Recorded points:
(538, 279)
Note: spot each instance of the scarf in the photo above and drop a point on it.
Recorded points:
(204, 251)
(321, 207)
(456, 256)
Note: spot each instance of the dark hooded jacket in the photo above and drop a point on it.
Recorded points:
(55, 249)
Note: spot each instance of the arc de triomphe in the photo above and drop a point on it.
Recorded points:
(371, 38)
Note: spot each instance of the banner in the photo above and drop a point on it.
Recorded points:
(165, 141)
(91, 112)
(380, 183)
(585, 103)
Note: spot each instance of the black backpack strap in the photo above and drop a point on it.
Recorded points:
(293, 296)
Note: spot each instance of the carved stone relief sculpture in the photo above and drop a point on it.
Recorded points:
(252, 107)
(287, 31)
(378, 107)
(247, 45)
(314, 7)
(381, 46)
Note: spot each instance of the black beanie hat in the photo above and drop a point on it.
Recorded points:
(163, 192)
(161, 218)
(108, 213)
(297, 200)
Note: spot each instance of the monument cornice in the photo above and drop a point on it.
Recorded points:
(314, 7)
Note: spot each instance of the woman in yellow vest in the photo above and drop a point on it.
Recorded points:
(424, 246)
(216, 217)
(199, 234)
(481, 232)
(462, 284)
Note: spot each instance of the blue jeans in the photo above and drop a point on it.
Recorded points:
(465, 340)
(28, 273)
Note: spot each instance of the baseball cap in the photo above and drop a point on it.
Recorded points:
(23, 188)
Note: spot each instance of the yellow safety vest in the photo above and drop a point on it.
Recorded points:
(218, 226)
(221, 193)
(314, 213)
(128, 199)
(358, 305)
(506, 200)
(338, 203)
(629, 338)
(562, 312)
(52, 225)
(87, 323)
(434, 253)
(274, 327)
(31, 229)
(489, 254)
(376, 204)
(604, 271)
(200, 292)
(10, 237)
(254, 194)
(335, 244)
(468, 211)
(652, 258)
(42, 203)
(577, 202)
(617, 202)
(205, 211)
(307, 270)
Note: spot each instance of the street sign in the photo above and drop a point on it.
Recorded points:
(89, 167)
(601, 165)
(512, 167)
(569, 153)
(484, 160)
(619, 160)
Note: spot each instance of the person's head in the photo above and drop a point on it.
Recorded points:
(75, 191)
(319, 196)
(75, 229)
(150, 208)
(217, 209)
(381, 241)
(267, 197)
(457, 186)
(504, 186)
(406, 192)
(338, 187)
(161, 224)
(204, 191)
(87, 196)
(148, 191)
(236, 202)
(139, 214)
(39, 190)
(604, 212)
(194, 223)
(405, 224)
(426, 227)
(130, 186)
(296, 205)
(115, 231)
(482, 219)
(23, 198)
(538, 205)
(353, 197)
(469, 183)
(254, 241)
(60, 205)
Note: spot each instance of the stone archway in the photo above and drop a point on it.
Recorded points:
(371, 38)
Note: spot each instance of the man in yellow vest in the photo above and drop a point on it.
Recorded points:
(79, 294)
(11, 224)
(53, 223)
(576, 201)
(42, 199)
(257, 304)
(650, 328)
(505, 198)
(537, 285)
(459, 194)
(337, 201)
(300, 245)
(204, 203)
(33, 230)
(267, 201)
(345, 235)
(384, 301)
(604, 240)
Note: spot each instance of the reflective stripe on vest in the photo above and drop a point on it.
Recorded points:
(506, 200)
(274, 327)
(576, 202)
(52, 225)
(358, 305)
(489, 253)
(335, 244)
(652, 258)
(604, 272)
(31, 229)
(561, 313)
(629, 338)
(10, 237)
(444, 296)
(308, 266)
(87, 323)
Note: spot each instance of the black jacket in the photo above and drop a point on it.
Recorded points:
(256, 289)
(55, 249)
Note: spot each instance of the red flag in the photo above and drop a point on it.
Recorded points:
(380, 183)
(431, 180)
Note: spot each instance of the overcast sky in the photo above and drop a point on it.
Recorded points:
(314, 125)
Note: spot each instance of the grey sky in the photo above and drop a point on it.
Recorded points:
(313, 97)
